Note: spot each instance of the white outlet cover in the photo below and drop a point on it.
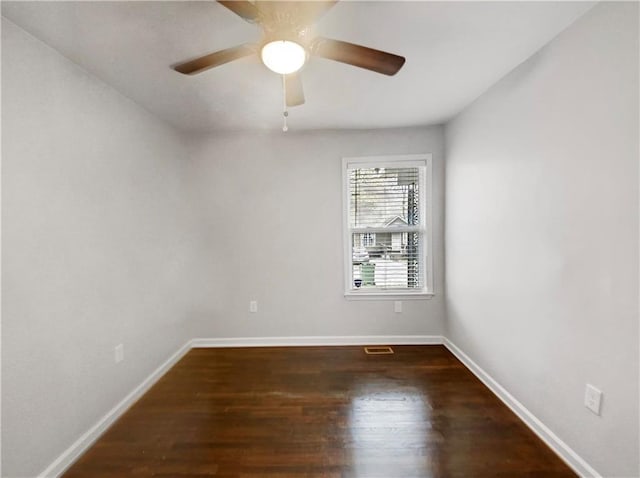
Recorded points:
(592, 399)
(397, 306)
(253, 306)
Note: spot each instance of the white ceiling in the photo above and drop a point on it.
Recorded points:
(454, 51)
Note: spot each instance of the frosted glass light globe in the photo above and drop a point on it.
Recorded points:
(283, 56)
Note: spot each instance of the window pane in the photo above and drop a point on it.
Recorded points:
(384, 197)
(386, 260)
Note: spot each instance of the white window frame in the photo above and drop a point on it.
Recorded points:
(425, 224)
(371, 237)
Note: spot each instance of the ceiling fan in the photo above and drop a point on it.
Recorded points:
(288, 42)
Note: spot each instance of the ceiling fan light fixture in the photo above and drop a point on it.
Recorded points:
(283, 56)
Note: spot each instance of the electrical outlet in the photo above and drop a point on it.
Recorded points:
(397, 306)
(253, 306)
(592, 399)
(119, 353)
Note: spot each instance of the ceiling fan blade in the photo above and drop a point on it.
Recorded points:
(214, 59)
(293, 88)
(242, 8)
(356, 55)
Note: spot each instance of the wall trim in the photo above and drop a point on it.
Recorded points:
(318, 340)
(71, 454)
(569, 456)
(559, 447)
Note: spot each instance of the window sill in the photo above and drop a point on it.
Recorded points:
(375, 295)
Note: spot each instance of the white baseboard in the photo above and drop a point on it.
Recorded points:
(71, 454)
(326, 341)
(570, 457)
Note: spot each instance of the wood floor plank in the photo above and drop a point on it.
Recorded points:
(319, 412)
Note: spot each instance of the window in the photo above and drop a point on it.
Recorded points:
(387, 225)
(368, 239)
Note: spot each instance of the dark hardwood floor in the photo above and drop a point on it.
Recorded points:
(319, 412)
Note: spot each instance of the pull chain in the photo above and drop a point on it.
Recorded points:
(285, 113)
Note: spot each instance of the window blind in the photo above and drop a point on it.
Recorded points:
(386, 227)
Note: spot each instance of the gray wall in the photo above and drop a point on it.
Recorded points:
(542, 234)
(272, 208)
(98, 249)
